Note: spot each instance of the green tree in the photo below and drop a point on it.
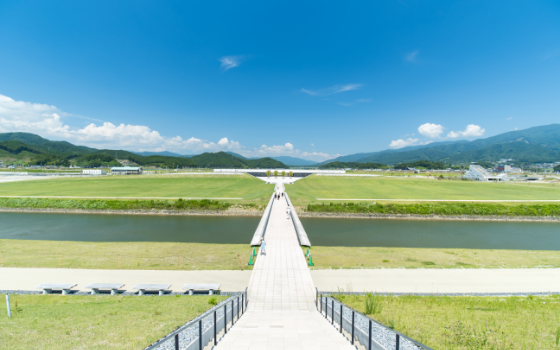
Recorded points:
(291, 174)
(275, 172)
(268, 173)
(283, 173)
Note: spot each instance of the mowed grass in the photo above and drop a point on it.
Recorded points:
(173, 186)
(377, 257)
(94, 322)
(469, 322)
(132, 255)
(337, 187)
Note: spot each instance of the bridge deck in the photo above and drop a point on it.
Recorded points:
(281, 312)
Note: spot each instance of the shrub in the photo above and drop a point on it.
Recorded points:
(212, 301)
(373, 304)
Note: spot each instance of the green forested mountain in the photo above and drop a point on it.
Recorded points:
(39, 151)
(226, 160)
(538, 144)
(353, 165)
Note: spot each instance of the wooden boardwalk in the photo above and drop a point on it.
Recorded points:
(281, 313)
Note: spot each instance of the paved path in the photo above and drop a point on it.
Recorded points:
(380, 280)
(19, 278)
(439, 280)
(281, 313)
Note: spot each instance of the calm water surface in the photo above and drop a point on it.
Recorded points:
(322, 232)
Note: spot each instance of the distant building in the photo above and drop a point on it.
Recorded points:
(126, 170)
(505, 168)
(478, 173)
(93, 172)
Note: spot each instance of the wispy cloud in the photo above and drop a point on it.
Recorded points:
(509, 118)
(411, 56)
(332, 90)
(229, 62)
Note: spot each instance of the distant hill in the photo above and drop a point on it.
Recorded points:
(227, 160)
(293, 161)
(39, 151)
(284, 159)
(164, 153)
(45, 145)
(537, 144)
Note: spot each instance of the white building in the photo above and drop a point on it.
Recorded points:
(478, 173)
(93, 172)
(126, 170)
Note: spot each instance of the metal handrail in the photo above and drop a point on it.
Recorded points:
(198, 343)
(324, 300)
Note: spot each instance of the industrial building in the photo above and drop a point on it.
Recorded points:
(476, 172)
(126, 170)
(93, 172)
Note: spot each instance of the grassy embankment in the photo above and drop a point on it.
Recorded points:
(240, 188)
(438, 208)
(108, 322)
(132, 255)
(380, 257)
(469, 322)
(201, 256)
(310, 190)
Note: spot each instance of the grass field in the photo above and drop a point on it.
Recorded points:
(133, 255)
(377, 257)
(518, 323)
(174, 186)
(200, 256)
(94, 322)
(337, 187)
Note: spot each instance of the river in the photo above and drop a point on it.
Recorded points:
(321, 231)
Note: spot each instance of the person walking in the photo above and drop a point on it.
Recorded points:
(263, 247)
(288, 213)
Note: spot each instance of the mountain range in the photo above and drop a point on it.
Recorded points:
(40, 151)
(537, 144)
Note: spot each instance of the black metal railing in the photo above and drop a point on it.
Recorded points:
(358, 327)
(196, 334)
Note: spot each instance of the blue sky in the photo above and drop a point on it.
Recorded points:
(309, 79)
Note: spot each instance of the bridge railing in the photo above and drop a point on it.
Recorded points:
(360, 328)
(196, 334)
(302, 235)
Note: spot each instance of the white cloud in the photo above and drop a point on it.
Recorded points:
(400, 143)
(229, 62)
(411, 56)
(509, 118)
(471, 131)
(430, 130)
(312, 145)
(46, 120)
(336, 89)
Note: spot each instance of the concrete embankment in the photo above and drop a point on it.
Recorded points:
(244, 211)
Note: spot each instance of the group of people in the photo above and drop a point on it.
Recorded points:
(288, 212)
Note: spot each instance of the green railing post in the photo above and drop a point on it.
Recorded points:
(311, 260)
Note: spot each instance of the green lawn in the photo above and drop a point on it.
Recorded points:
(174, 186)
(94, 322)
(381, 257)
(309, 189)
(133, 255)
(481, 323)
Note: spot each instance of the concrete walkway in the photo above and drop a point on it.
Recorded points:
(20, 278)
(439, 280)
(281, 313)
